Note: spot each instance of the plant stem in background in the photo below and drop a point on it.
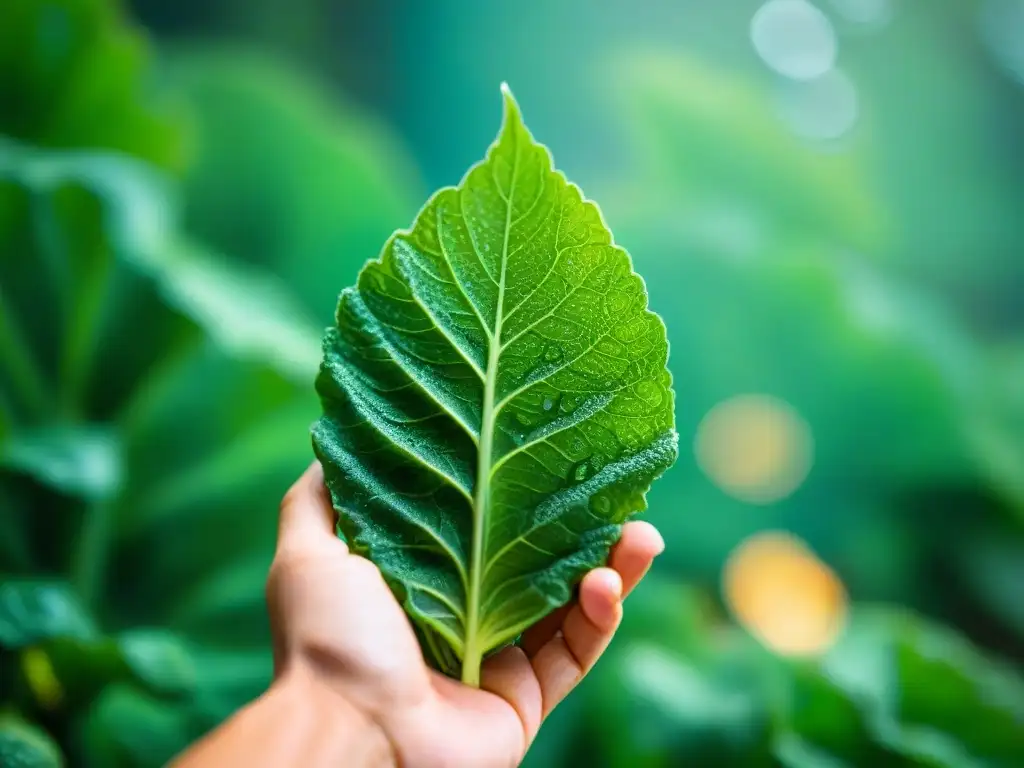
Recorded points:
(89, 563)
(82, 293)
(19, 366)
(160, 377)
(79, 340)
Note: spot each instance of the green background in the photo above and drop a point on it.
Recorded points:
(186, 186)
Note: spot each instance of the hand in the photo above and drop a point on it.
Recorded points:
(336, 622)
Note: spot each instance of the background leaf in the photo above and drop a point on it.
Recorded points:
(22, 745)
(308, 190)
(83, 461)
(159, 660)
(33, 611)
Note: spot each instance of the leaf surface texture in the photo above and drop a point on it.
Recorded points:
(496, 402)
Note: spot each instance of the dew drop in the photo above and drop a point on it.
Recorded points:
(548, 403)
(650, 392)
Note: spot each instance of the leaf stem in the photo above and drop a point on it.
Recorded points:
(474, 642)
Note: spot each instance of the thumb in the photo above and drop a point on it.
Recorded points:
(306, 516)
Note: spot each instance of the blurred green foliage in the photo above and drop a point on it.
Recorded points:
(74, 76)
(313, 209)
(156, 392)
(895, 691)
(174, 229)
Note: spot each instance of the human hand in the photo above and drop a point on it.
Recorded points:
(336, 623)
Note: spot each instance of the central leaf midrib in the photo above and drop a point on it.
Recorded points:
(474, 648)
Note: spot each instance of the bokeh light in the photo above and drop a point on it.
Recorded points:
(823, 109)
(1002, 29)
(784, 595)
(756, 448)
(794, 38)
(870, 14)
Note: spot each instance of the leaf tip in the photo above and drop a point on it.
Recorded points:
(512, 113)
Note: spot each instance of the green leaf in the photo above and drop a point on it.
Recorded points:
(684, 692)
(228, 679)
(794, 752)
(159, 660)
(137, 214)
(824, 725)
(496, 402)
(992, 567)
(81, 460)
(23, 745)
(66, 673)
(954, 705)
(72, 75)
(287, 175)
(996, 426)
(247, 312)
(929, 695)
(34, 611)
(126, 728)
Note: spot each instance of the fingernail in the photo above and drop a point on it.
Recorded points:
(613, 582)
(661, 543)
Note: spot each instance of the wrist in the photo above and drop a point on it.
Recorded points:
(348, 731)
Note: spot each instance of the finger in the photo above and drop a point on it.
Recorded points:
(632, 555)
(636, 549)
(306, 512)
(588, 628)
(600, 605)
(536, 636)
(509, 674)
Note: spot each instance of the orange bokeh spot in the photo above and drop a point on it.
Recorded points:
(755, 448)
(784, 595)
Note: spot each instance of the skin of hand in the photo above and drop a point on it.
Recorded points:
(350, 681)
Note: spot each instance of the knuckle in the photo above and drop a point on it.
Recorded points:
(291, 496)
(365, 568)
(274, 575)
